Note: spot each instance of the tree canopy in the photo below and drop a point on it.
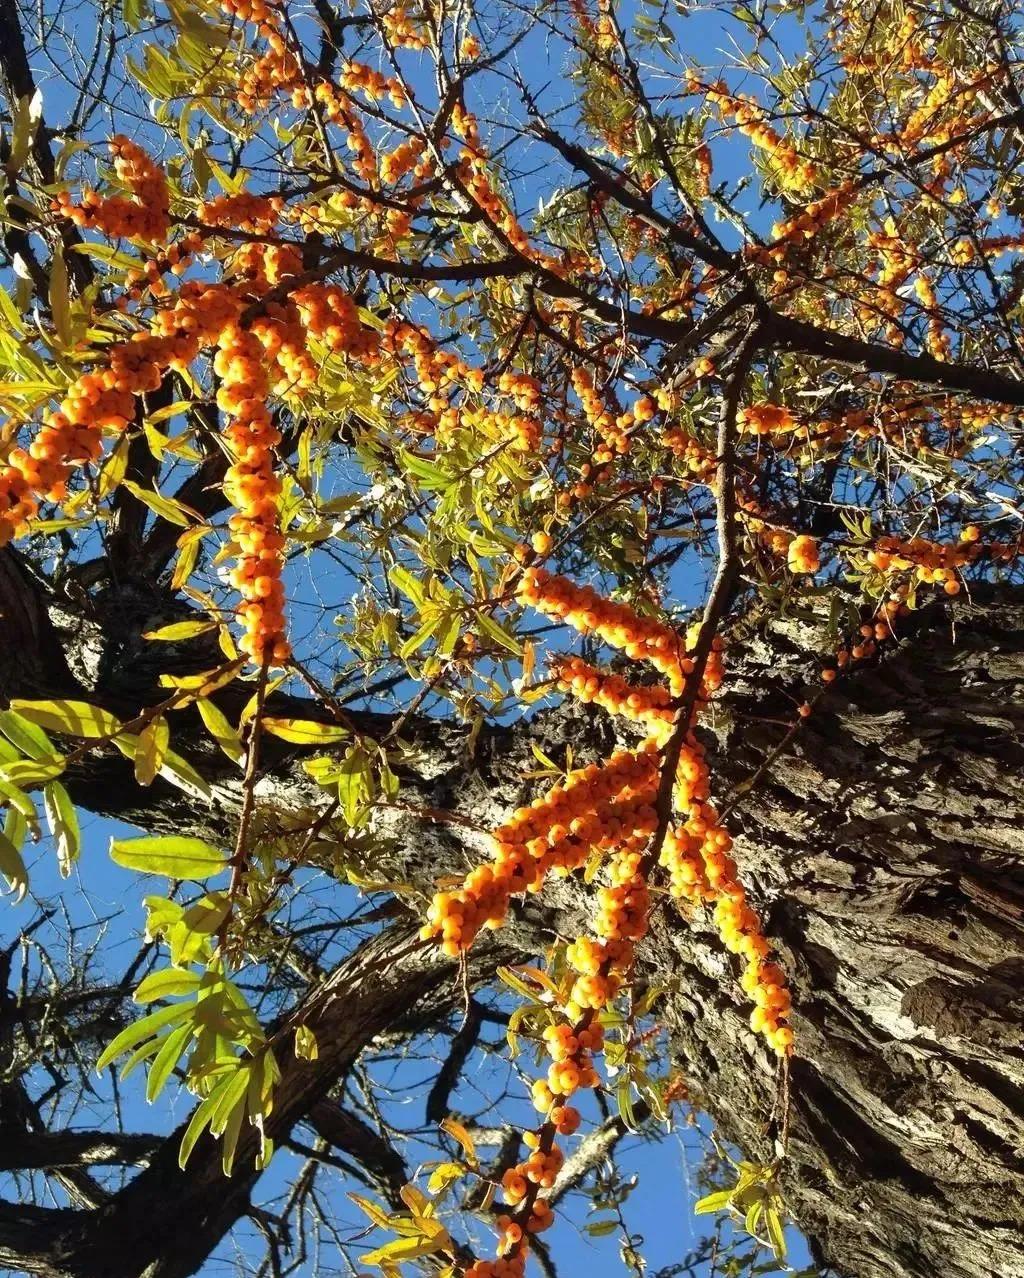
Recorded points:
(387, 383)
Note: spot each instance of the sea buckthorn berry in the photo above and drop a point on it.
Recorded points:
(802, 554)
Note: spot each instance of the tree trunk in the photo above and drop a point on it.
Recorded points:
(884, 846)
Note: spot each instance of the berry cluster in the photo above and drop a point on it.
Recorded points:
(650, 705)
(765, 419)
(144, 216)
(357, 77)
(792, 171)
(641, 638)
(931, 563)
(802, 554)
(254, 489)
(598, 807)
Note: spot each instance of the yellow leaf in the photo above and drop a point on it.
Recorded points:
(74, 718)
(305, 731)
(443, 1175)
(151, 749)
(379, 1215)
(166, 507)
(458, 1132)
(179, 630)
(305, 1044)
(407, 1249)
(220, 729)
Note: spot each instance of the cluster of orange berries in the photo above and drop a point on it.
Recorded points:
(94, 402)
(647, 704)
(144, 216)
(330, 313)
(254, 489)
(613, 429)
(272, 73)
(873, 632)
(244, 210)
(932, 563)
(524, 433)
(340, 111)
(964, 251)
(357, 77)
(477, 182)
(438, 372)
(694, 456)
(596, 807)
(402, 30)
(640, 638)
(938, 342)
(407, 157)
(701, 870)
(765, 419)
(803, 555)
(264, 266)
(806, 224)
(793, 172)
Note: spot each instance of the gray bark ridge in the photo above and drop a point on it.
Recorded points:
(885, 849)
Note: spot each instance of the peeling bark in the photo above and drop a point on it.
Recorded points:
(886, 848)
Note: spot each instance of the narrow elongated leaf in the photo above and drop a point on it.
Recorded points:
(27, 737)
(32, 771)
(63, 822)
(142, 1029)
(166, 1059)
(305, 731)
(151, 750)
(179, 630)
(166, 983)
(220, 729)
(166, 507)
(12, 866)
(74, 718)
(176, 855)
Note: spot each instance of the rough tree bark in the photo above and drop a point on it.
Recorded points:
(886, 846)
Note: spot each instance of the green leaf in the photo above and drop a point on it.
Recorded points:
(176, 855)
(165, 1060)
(166, 507)
(601, 1228)
(60, 298)
(179, 772)
(19, 802)
(28, 738)
(73, 718)
(32, 771)
(142, 1029)
(63, 822)
(26, 114)
(167, 983)
(142, 1053)
(489, 627)
(305, 731)
(776, 1235)
(12, 866)
(197, 1125)
(718, 1201)
(408, 585)
(220, 729)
